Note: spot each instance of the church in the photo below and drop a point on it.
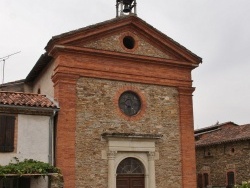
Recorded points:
(125, 112)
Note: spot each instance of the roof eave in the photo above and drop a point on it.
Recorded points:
(34, 110)
(42, 62)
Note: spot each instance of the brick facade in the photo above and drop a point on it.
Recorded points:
(92, 68)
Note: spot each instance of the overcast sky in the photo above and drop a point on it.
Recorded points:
(216, 30)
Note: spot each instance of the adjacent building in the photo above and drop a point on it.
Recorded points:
(26, 132)
(222, 155)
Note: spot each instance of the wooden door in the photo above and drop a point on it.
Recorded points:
(130, 181)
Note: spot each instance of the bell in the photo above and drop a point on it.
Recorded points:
(126, 8)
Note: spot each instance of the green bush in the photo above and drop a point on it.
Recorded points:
(245, 184)
(28, 166)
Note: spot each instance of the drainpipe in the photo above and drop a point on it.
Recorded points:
(51, 138)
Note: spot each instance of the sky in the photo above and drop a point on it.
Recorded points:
(216, 30)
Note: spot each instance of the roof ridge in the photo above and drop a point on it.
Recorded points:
(90, 26)
(19, 92)
(215, 126)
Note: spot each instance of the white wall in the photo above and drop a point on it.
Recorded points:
(44, 82)
(32, 139)
(41, 182)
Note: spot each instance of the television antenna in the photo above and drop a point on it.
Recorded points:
(3, 59)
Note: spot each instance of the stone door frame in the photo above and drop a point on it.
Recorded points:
(122, 146)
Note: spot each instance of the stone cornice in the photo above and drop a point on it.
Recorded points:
(131, 136)
(186, 90)
(55, 52)
(118, 66)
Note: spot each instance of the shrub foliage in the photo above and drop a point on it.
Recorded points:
(28, 166)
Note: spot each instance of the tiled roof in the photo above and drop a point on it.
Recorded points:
(25, 99)
(226, 132)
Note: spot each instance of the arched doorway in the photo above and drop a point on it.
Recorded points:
(130, 174)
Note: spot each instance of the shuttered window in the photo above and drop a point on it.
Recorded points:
(7, 131)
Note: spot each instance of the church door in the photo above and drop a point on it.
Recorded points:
(129, 181)
(130, 174)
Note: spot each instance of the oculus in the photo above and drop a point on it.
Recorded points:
(129, 103)
(129, 42)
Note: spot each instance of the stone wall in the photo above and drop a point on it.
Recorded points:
(223, 158)
(115, 43)
(56, 181)
(97, 112)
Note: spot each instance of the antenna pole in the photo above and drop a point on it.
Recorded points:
(3, 59)
(3, 70)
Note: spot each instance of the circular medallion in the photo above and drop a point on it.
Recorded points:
(129, 103)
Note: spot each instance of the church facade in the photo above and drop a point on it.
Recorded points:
(126, 115)
(125, 93)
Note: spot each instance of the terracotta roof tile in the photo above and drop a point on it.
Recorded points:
(25, 99)
(224, 133)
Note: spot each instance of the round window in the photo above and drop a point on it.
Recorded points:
(129, 103)
(129, 42)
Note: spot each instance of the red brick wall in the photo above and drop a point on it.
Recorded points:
(65, 93)
(187, 138)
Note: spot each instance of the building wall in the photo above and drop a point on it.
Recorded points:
(39, 182)
(115, 43)
(71, 67)
(223, 158)
(150, 63)
(44, 83)
(98, 112)
(16, 86)
(32, 139)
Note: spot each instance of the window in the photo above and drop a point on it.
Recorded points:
(7, 130)
(206, 182)
(203, 180)
(230, 179)
(129, 42)
(14, 182)
(130, 166)
(129, 103)
(199, 181)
